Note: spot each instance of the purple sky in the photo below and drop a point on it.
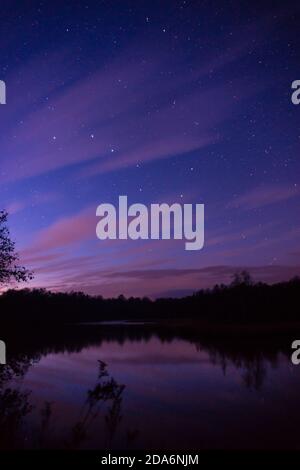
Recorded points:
(164, 102)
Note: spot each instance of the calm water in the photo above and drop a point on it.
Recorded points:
(153, 392)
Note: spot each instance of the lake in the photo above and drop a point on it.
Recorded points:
(140, 387)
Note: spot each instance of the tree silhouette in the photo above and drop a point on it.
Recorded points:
(242, 278)
(9, 268)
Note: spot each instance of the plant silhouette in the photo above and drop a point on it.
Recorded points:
(9, 267)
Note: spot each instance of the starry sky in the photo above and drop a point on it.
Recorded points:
(163, 101)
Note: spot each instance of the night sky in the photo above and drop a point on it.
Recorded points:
(163, 101)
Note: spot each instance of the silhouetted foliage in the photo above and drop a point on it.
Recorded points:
(9, 269)
(243, 301)
(242, 278)
(15, 405)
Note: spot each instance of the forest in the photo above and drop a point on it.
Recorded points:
(243, 301)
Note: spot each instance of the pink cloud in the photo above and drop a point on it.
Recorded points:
(156, 282)
(33, 200)
(264, 196)
(66, 231)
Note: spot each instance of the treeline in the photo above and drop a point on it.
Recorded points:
(243, 301)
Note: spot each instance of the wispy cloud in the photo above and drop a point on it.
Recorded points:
(33, 200)
(124, 112)
(64, 232)
(264, 196)
(156, 282)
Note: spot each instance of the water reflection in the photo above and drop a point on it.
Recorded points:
(148, 386)
(14, 404)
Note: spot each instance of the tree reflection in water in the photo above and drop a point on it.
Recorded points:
(250, 357)
(102, 405)
(15, 406)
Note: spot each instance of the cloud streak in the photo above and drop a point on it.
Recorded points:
(123, 112)
(264, 196)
